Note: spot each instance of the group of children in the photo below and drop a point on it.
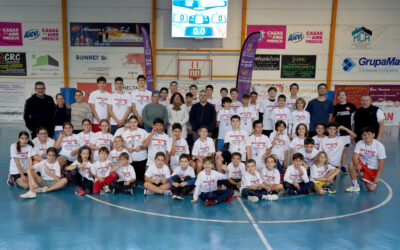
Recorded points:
(244, 160)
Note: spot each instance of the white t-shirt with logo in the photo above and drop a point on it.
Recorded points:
(236, 172)
(207, 183)
(333, 147)
(114, 156)
(26, 152)
(69, 144)
(259, 145)
(293, 175)
(84, 139)
(53, 167)
(203, 148)
(291, 103)
(246, 116)
(319, 172)
(250, 180)
(100, 101)
(157, 173)
(238, 142)
(120, 132)
(135, 139)
(158, 143)
(140, 99)
(271, 177)
(280, 114)
(236, 105)
(297, 144)
(309, 158)
(267, 107)
(101, 140)
(224, 119)
(370, 155)
(317, 142)
(41, 149)
(282, 144)
(181, 147)
(120, 103)
(183, 173)
(298, 117)
(102, 169)
(257, 109)
(125, 173)
(84, 171)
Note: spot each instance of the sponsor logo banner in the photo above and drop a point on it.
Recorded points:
(371, 64)
(361, 37)
(12, 99)
(44, 64)
(10, 34)
(267, 62)
(272, 36)
(298, 66)
(42, 34)
(354, 93)
(310, 37)
(12, 64)
(107, 34)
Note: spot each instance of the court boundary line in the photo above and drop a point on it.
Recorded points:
(254, 224)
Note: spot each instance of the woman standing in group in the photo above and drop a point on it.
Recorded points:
(62, 114)
(177, 113)
(80, 110)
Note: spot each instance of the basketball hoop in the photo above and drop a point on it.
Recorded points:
(194, 74)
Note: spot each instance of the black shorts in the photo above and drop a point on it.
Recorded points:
(347, 145)
(17, 176)
(159, 184)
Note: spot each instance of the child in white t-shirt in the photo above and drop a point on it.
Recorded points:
(41, 143)
(203, 147)
(236, 170)
(182, 179)
(156, 141)
(309, 153)
(323, 174)
(252, 185)
(298, 142)
(119, 105)
(254, 105)
(299, 115)
(140, 98)
(224, 121)
(101, 139)
(247, 114)
(50, 176)
(157, 176)
(98, 101)
(267, 107)
(21, 154)
(369, 157)
(118, 149)
(260, 145)
(271, 178)
(291, 101)
(320, 128)
(296, 179)
(126, 127)
(206, 185)
(86, 134)
(69, 144)
(80, 171)
(281, 113)
(280, 144)
(176, 146)
(234, 92)
(126, 182)
(101, 171)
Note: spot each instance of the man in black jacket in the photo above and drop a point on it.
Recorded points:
(39, 110)
(202, 113)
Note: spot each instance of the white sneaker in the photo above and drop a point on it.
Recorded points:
(41, 189)
(174, 196)
(167, 192)
(28, 194)
(147, 192)
(236, 193)
(252, 198)
(266, 197)
(274, 197)
(352, 188)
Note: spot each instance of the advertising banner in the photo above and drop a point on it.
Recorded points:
(298, 66)
(148, 60)
(369, 65)
(12, 100)
(107, 34)
(10, 34)
(42, 34)
(45, 64)
(361, 37)
(267, 62)
(12, 64)
(387, 97)
(354, 93)
(307, 37)
(246, 63)
(272, 36)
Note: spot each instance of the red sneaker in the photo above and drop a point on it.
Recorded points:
(210, 202)
(79, 191)
(229, 199)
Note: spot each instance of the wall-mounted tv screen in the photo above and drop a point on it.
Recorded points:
(199, 18)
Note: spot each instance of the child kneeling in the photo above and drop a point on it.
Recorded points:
(50, 175)
(183, 178)
(252, 185)
(206, 185)
(157, 176)
(127, 176)
(296, 179)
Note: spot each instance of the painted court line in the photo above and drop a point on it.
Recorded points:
(164, 215)
(252, 221)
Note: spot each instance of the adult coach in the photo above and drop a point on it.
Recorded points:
(202, 113)
(39, 111)
(320, 109)
(154, 110)
(368, 115)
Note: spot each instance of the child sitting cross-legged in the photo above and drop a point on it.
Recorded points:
(296, 179)
(157, 176)
(182, 179)
(271, 178)
(252, 185)
(126, 182)
(236, 170)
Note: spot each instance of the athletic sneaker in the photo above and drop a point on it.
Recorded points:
(344, 171)
(274, 197)
(353, 188)
(180, 197)
(147, 192)
(131, 191)
(211, 202)
(229, 199)
(236, 193)
(79, 191)
(329, 189)
(106, 189)
(266, 197)
(252, 198)
(167, 192)
(28, 194)
(41, 189)
(174, 196)
(10, 180)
